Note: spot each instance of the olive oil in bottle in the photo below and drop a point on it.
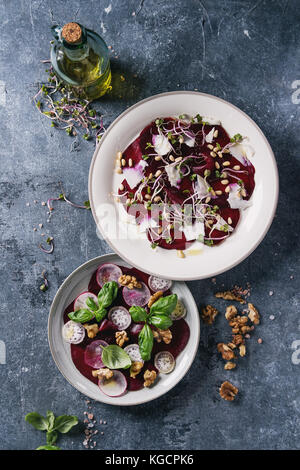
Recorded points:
(80, 58)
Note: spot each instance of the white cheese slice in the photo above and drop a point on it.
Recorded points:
(161, 144)
(211, 121)
(201, 187)
(210, 136)
(192, 232)
(135, 175)
(173, 174)
(235, 199)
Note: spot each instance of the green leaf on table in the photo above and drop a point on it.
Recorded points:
(51, 437)
(115, 357)
(50, 417)
(37, 421)
(64, 423)
(48, 447)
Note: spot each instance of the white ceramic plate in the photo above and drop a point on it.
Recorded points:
(78, 282)
(103, 181)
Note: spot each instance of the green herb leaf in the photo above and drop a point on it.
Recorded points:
(81, 316)
(50, 418)
(37, 421)
(138, 314)
(163, 322)
(107, 294)
(51, 437)
(145, 342)
(164, 305)
(91, 304)
(115, 357)
(48, 448)
(64, 423)
(87, 204)
(100, 314)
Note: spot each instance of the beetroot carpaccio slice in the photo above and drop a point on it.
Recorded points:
(86, 355)
(179, 156)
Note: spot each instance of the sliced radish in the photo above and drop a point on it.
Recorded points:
(164, 361)
(179, 311)
(80, 301)
(133, 352)
(108, 272)
(120, 317)
(73, 332)
(156, 284)
(93, 354)
(114, 387)
(135, 296)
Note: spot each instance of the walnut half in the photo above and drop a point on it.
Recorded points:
(253, 314)
(136, 368)
(121, 337)
(155, 297)
(162, 335)
(229, 295)
(129, 281)
(209, 314)
(100, 373)
(228, 391)
(92, 330)
(149, 377)
(226, 351)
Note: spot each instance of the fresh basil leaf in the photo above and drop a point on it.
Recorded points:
(107, 294)
(137, 313)
(146, 342)
(81, 316)
(64, 423)
(115, 357)
(37, 421)
(51, 437)
(91, 304)
(48, 448)
(50, 418)
(164, 305)
(163, 322)
(100, 314)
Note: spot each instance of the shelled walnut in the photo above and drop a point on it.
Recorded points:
(209, 314)
(100, 373)
(229, 295)
(162, 335)
(129, 281)
(136, 368)
(228, 391)
(121, 337)
(231, 312)
(155, 297)
(226, 351)
(149, 377)
(92, 330)
(230, 365)
(253, 314)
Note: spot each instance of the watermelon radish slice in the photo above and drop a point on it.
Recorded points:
(120, 317)
(73, 332)
(179, 311)
(156, 284)
(135, 296)
(108, 272)
(93, 354)
(133, 352)
(114, 387)
(164, 362)
(80, 301)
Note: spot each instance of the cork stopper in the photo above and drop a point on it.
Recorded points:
(71, 33)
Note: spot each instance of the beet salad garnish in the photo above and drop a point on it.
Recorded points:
(184, 180)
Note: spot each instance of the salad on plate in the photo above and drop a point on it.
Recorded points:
(125, 330)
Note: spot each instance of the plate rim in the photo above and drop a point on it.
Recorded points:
(103, 258)
(276, 188)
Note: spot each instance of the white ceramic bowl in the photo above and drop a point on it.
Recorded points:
(254, 223)
(76, 283)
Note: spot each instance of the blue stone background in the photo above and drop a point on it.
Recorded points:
(246, 52)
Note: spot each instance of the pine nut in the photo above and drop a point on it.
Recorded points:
(123, 162)
(243, 193)
(119, 171)
(217, 165)
(226, 151)
(227, 163)
(219, 193)
(130, 162)
(180, 254)
(158, 173)
(207, 199)
(213, 154)
(159, 230)
(158, 158)
(150, 176)
(157, 199)
(178, 159)
(229, 220)
(227, 189)
(121, 187)
(210, 146)
(237, 167)
(224, 182)
(119, 155)
(220, 154)
(147, 196)
(216, 149)
(171, 158)
(216, 133)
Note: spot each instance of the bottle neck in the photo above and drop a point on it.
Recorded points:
(80, 53)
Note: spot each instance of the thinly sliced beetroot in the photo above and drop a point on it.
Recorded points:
(80, 301)
(135, 296)
(164, 361)
(73, 333)
(114, 387)
(179, 311)
(108, 272)
(93, 354)
(135, 329)
(107, 325)
(133, 352)
(156, 284)
(120, 317)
